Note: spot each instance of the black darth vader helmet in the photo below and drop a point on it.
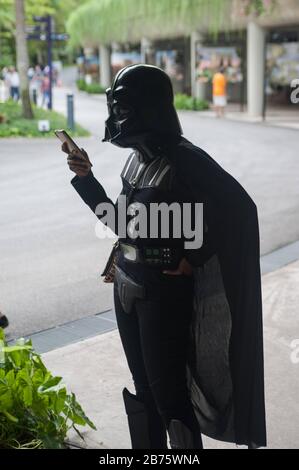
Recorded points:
(140, 107)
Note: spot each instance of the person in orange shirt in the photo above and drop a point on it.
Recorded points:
(219, 92)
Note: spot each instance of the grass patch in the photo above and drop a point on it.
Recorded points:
(12, 123)
(93, 88)
(182, 101)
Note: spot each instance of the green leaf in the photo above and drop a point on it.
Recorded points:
(10, 417)
(78, 419)
(23, 376)
(9, 349)
(6, 401)
(27, 396)
(2, 354)
(59, 405)
(10, 377)
(59, 402)
(51, 442)
(50, 384)
(79, 414)
(38, 377)
(2, 335)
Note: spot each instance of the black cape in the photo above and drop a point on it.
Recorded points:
(226, 366)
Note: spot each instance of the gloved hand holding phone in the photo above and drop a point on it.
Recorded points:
(78, 160)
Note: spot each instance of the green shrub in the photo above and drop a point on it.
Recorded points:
(14, 125)
(95, 88)
(92, 88)
(35, 409)
(182, 101)
(81, 84)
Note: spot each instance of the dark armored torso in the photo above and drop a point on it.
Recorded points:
(147, 182)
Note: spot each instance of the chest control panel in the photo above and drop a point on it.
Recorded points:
(162, 256)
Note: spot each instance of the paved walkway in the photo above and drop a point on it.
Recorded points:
(96, 371)
(285, 117)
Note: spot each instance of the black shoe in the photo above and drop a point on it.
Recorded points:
(3, 321)
(181, 437)
(146, 426)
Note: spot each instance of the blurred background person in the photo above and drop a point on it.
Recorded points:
(30, 73)
(36, 82)
(3, 95)
(6, 74)
(219, 92)
(14, 80)
(45, 89)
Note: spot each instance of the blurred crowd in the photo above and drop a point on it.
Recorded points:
(39, 83)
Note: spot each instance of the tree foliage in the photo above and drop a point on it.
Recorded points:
(60, 10)
(32, 7)
(106, 21)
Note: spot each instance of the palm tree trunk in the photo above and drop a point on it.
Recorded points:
(22, 58)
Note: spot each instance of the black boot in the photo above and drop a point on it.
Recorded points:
(181, 437)
(146, 426)
(3, 321)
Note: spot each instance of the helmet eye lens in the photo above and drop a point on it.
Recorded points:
(119, 111)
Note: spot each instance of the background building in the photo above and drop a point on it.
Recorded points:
(256, 42)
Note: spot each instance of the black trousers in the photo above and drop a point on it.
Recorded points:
(155, 340)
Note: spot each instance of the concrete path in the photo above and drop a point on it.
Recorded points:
(96, 371)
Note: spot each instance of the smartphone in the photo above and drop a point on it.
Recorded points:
(64, 137)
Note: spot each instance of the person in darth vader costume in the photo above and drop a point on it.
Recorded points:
(190, 321)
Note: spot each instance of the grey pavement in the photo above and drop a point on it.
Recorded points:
(96, 371)
(50, 256)
(275, 115)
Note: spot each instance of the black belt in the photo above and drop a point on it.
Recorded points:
(162, 256)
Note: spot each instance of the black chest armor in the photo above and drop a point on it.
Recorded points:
(155, 173)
